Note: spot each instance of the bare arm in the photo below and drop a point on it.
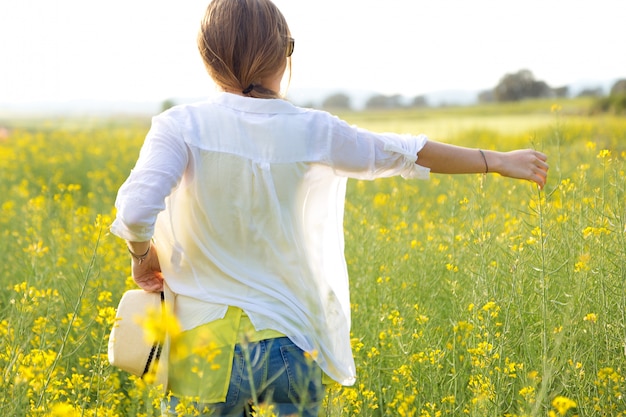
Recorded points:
(443, 158)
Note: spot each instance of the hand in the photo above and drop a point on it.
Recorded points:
(147, 274)
(526, 164)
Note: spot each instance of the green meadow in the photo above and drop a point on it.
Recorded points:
(472, 295)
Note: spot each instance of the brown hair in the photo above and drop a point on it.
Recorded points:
(243, 42)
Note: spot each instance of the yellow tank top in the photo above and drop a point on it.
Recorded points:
(200, 361)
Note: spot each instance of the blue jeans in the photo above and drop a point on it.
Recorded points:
(272, 371)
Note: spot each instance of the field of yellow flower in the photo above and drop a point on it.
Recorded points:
(471, 295)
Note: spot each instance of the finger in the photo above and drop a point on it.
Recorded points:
(540, 180)
(542, 164)
(542, 156)
(540, 171)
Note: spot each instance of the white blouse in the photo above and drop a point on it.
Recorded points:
(244, 198)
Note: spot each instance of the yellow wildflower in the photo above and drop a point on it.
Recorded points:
(562, 404)
(591, 318)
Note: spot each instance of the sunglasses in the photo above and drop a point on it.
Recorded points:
(290, 46)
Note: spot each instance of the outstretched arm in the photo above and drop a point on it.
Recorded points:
(442, 158)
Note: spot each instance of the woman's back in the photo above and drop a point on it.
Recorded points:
(254, 221)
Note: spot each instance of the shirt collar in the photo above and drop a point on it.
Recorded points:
(255, 105)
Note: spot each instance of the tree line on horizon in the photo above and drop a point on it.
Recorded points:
(518, 86)
(512, 87)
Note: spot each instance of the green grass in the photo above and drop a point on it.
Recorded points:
(448, 123)
(471, 295)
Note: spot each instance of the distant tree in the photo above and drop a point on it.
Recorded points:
(521, 85)
(486, 96)
(167, 104)
(419, 101)
(617, 98)
(591, 92)
(615, 104)
(619, 87)
(380, 101)
(561, 91)
(616, 101)
(395, 101)
(337, 101)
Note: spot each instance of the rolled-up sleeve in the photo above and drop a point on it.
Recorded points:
(162, 162)
(358, 153)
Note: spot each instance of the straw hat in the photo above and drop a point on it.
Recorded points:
(129, 348)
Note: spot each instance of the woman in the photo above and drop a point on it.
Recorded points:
(243, 198)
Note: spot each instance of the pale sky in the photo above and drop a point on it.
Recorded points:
(145, 50)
